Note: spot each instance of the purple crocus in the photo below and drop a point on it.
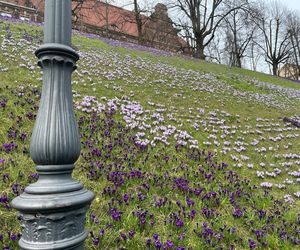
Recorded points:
(179, 223)
(238, 213)
(158, 244)
(96, 241)
(13, 237)
(252, 244)
(15, 188)
(3, 103)
(169, 244)
(9, 146)
(131, 234)
(155, 236)
(148, 242)
(116, 215)
(125, 197)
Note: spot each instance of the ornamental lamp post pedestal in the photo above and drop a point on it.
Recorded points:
(53, 210)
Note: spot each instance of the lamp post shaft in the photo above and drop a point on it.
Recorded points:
(52, 210)
(58, 25)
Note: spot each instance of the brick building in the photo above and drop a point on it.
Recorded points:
(159, 28)
(96, 17)
(290, 71)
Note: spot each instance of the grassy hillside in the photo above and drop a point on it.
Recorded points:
(181, 154)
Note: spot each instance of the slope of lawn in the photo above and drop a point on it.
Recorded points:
(181, 154)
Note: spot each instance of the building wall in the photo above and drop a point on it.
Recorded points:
(289, 71)
(14, 10)
(107, 16)
(159, 28)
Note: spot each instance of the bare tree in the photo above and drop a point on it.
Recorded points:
(215, 50)
(187, 34)
(239, 31)
(103, 13)
(254, 55)
(138, 20)
(275, 42)
(138, 16)
(204, 17)
(293, 26)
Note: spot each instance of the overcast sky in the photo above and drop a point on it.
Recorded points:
(291, 4)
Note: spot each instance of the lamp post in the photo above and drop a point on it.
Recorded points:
(52, 210)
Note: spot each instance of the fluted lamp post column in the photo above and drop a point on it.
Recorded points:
(52, 210)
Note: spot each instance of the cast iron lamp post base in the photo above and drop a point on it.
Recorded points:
(53, 210)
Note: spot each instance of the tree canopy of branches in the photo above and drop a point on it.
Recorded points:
(140, 9)
(293, 25)
(239, 31)
(270, 20)
(202, 17)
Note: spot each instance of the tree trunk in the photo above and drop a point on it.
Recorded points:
(238, 61)
(275, 68)
(236, 56)
(199, 53)
(139, 23)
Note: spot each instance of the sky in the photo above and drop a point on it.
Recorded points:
(291, 4)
